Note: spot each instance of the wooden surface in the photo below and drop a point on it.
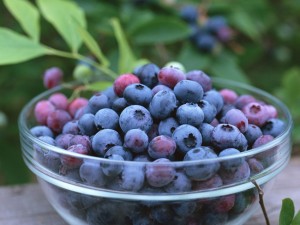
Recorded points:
(26, 204)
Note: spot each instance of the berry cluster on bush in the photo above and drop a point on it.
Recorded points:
(207, 32)
(159, 116)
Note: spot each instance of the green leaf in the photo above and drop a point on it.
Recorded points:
(65, 16)
(244, 22)
(225, 65)
(16, 48)
(287, 212)
(98, 86)
(127, 59)
(27, 15)
(192, 59)
(93, 46)
(160, 30)
(296, 220)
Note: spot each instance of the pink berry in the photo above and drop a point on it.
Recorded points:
(271, 111)
(256, 113)
(57, 119)
(42, 110)
(170, 76)
(59, 100)
(123, 81)
(52, 77)
(229, 96)
(243, 100)
(70, 162)
(76, 104)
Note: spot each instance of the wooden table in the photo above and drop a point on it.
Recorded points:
(26, 204)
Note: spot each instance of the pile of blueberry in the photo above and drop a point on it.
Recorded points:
(206, 33)
(157, 116)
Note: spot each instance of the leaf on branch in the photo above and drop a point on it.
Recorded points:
(127, 59)
(65, 16)
(17, 48)
(160, 30)
(287, 212)
(93, 46)
(27, 16)
(98, 86)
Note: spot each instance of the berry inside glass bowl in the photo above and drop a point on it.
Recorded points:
(158, 147)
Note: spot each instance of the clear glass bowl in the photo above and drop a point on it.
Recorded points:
(127, 199)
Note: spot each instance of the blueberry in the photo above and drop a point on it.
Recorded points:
(201, 171)
(184, 209)
(113, 168)
(167, 126)
(133, 178)
(240, 174)
(41, 130)
(119, 150)
(181, 183)
(135, 116)
(63, 140)
(215, 98)
(205, 42)
(97, 102)
(81, 139)
(136, 140)
(72, 162)
(77, 104)
(240, 204)
(110, 94)
(142, 158)
(222, 204)
(59, 100)
(256, 113)
(104, 140)
(148, 74)
(57, 119)
(91, 173)
(106, 119)
(105, 213)
(243, 100)
(188, 91)
(162, 214)
(138, 94)
(163, 104)
(253, 132)
(123, 81)
(237, 118)
(209, 111)
(160, 172)
(187, 137)
(206, 130)
(228, 136)
(224, 110)
(71, 127)
(189, 13)
(211, 183)
(200, 77)
(170, 76)
(232, 164)
(52, 77)
(215, 23)
(190, 113)
(161, 147)
(119, 104)
(41, 111)
(273, 127)
(255, 166)
(229, 96)
(160, 87)
(86, 124)
(153, 132)
(214, 218)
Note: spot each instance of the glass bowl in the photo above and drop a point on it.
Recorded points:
(127, 198)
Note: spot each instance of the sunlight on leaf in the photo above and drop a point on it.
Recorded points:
(16, 48)
(65, 16)
(27, 15)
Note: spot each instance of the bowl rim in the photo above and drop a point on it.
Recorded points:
(25, 130)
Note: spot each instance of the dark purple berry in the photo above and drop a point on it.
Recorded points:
(52, 77)
(161, 147)
(136, 140)
(201, 78)
(170, 76)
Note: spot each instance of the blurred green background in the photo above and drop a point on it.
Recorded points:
(263, 50)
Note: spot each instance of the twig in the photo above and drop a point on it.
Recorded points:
(261, 201)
